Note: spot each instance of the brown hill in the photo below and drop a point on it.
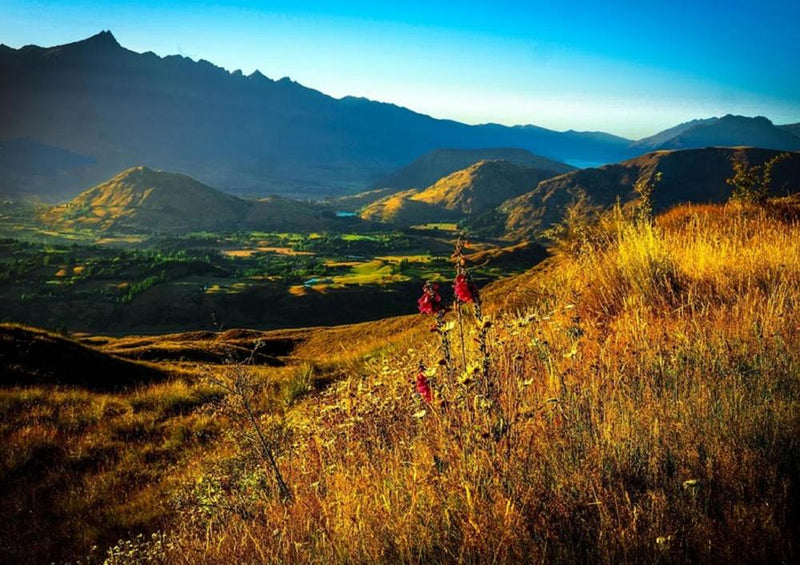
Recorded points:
(696, 175)
(141, 199)
(404, 209)
(30, 356)
(474, 190)
(437, 164)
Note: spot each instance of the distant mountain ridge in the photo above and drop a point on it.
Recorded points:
(243, 134)
(794, 129)
(250, 135)
(434, 165)
(28, 167)
(726, 131)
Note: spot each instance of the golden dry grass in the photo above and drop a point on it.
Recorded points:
(645, 408)
(646, 411)
(83, 467)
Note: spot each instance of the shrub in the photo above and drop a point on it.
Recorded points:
(753, 184)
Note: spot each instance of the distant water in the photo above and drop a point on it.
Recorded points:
(345, 214)
(584, 164)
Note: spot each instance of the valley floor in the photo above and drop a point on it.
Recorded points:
(98, 282)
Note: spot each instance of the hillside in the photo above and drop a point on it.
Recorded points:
(697, 175)
(31, 357)
(643, 398)
(471, 191)
(636, 401)
(726, 131)
(242, 134)
(27, 167)
(141, 199)
(435, 165)
(794, 129)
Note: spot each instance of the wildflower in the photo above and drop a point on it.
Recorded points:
(423, 387)
(691, 484)
(430, 302)
(462, 288)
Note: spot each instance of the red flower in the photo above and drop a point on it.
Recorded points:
(430, 302)
(462, 288)
(424, 388)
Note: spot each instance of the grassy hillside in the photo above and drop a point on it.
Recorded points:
(89, 459)
(639, 402)
(473, 190)
(32, 357)
(643, 408)
(697, 175)
(143, 200)
(437, 164)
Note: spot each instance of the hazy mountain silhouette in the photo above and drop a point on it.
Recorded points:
(245, 134)
(696, 175)
(794, 129)
(727, 131)
(29, 167)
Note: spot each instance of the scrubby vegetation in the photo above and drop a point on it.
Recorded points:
(643, 408)
(640, 402)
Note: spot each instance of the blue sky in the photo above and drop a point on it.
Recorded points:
(629, 68)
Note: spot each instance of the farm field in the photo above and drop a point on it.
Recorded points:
(145, 283)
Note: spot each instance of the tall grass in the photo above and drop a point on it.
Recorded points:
(647, 409)
(81, 469)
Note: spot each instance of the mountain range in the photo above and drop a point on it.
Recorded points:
(86, 110)
(724, 131)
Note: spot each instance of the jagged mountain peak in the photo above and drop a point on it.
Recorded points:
(104, 38)
(99, 43)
